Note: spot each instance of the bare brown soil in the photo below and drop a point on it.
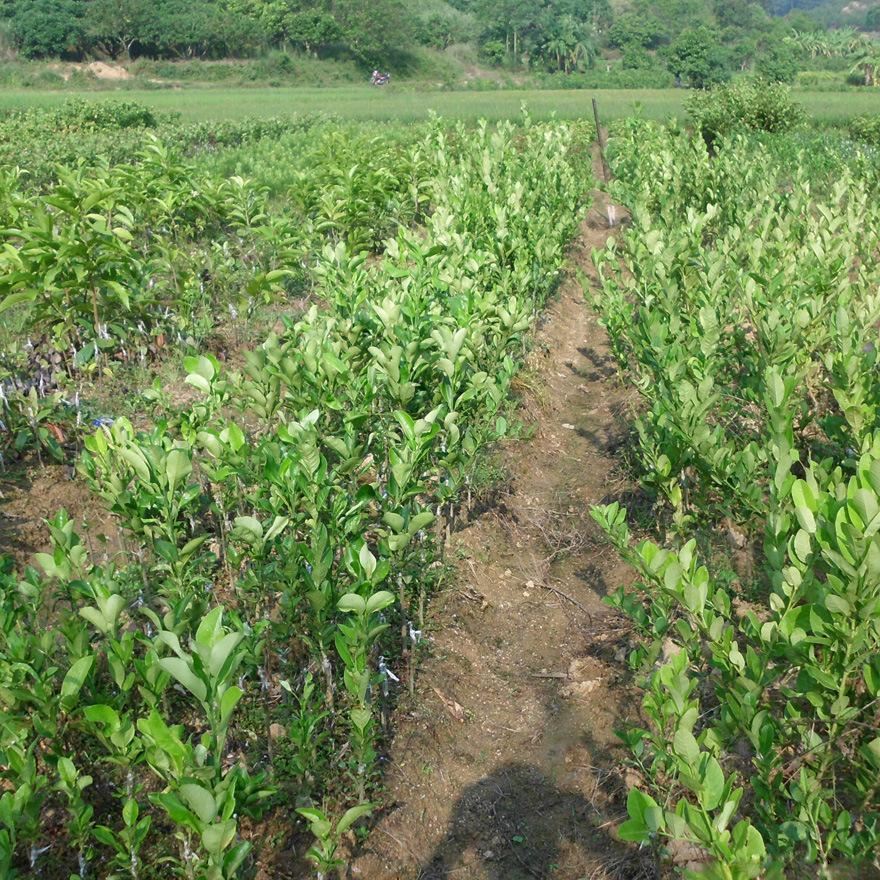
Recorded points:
(99, 69)
(102, 70)
(30, 495)
(505, 763)
(32, 492)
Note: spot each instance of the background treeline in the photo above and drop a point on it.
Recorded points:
(696, 42)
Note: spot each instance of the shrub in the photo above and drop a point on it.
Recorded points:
(762, 685)
(866, 128)
(855, 78)
(822, 80)
(616, 78)
(745, 105)
(493, 51)
(636, 58)
(78, 115)
(75, 113)
(778, 65)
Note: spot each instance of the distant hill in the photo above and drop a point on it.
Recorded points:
(828, 13)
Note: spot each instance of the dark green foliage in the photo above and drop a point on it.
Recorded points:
(167, 28)
(745, 105)
(636, 57)
(443, 26)
(636, 30)
(493, 51)
(44, 28)
(198, 29)
(559, 34)
(740, 14)
(697, 58)
(778, 64)
(311, 29)
(866, 129)
(373, 31)
(616, 78)
(116, 25)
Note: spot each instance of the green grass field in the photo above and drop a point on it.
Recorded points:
(363, 102)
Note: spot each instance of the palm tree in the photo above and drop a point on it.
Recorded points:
(559, 47)
(847, 40)
(809, 43)
(840, 43)
(867, 62)
(571, 44)
(584, 51)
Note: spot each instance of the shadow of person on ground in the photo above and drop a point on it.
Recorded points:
(517, 825)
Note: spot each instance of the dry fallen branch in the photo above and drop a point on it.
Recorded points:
(562, 595)
(455, 709)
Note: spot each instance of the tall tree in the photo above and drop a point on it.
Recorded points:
(569, 43)
(512, 20)
(270, 15)
(199, 29)
(696, 57)
(631, 29)
(116, 25)
(311, 30)
(48, 28)
(867, 62)
(373, 30)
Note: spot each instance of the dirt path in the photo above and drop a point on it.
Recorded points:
(505, 765)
